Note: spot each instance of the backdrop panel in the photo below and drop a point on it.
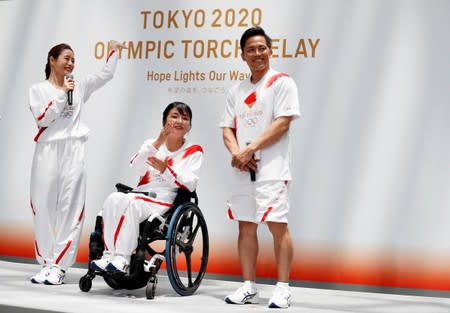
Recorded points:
(371, 198)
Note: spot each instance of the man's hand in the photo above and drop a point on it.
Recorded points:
(244, 161)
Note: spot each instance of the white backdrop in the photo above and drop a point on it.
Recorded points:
(371, 152)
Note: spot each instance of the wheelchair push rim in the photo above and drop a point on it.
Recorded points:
(187, 249)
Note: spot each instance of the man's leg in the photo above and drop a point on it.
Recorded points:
(283, 249)
(248, 249)
(282, 241)
(248, 253)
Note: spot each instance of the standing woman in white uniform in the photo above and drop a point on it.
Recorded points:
(58, 175)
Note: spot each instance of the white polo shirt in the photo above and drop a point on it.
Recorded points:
(250, 109)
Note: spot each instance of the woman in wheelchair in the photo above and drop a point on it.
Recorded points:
(165, 164)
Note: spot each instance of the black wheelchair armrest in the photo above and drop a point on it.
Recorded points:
(123, 188)
(127, 189)
(184, 196)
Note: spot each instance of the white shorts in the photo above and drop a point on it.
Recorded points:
(259, 202)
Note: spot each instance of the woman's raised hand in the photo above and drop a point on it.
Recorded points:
(115, 45)
(165, 131)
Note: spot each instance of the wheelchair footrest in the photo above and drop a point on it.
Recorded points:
(154, 263)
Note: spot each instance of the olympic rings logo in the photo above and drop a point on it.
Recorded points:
(251, 121)
(67, 113)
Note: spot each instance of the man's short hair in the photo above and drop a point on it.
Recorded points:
(254, 31)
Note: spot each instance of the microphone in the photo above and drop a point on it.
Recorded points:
(252, 172)
(69, 77)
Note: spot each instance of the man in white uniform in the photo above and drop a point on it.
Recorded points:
(255, 127)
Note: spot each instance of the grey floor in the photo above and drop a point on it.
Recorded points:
(18, 295)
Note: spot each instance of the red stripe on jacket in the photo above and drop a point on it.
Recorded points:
(110, 55)
(40, 117)
(41, 130)
(274, 79)
(144, 179)
(132, 159)
(180, 185)
(191, 150)
(251, 99)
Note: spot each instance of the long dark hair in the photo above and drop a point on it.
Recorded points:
(182, 107)
(55, 52)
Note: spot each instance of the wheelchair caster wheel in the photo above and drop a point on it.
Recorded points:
(150, 290)
(85, 283)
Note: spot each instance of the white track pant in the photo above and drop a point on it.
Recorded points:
(122, 214)
(58, 190)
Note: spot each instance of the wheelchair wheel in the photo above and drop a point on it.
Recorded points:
(150, 290)
(85, 283)
(187, 249)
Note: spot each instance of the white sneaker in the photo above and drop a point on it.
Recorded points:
(243, 296)
(101, 264)
(40, 277)
(281, 298)
(55, 276)
(118, 264)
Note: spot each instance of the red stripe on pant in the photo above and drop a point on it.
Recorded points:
(63, 252)
(37, 249)
(103, 236)
(266, 213)
(116, 234)
(230, 214)
(152, 201)
(81, 215)
(32, 207)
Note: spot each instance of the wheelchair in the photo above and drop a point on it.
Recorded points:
(185, 252)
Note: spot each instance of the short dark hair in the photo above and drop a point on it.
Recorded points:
(254, 31)
(55, 52)
(182, 107)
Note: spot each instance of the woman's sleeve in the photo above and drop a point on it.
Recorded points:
(45, 111)
(188, 174)
(139, 160)
(98, 80)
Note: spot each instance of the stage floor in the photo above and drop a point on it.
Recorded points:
(19, 295)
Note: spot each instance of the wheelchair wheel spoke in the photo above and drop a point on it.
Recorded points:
(194, 234)
(189, 269)
(181, 245)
